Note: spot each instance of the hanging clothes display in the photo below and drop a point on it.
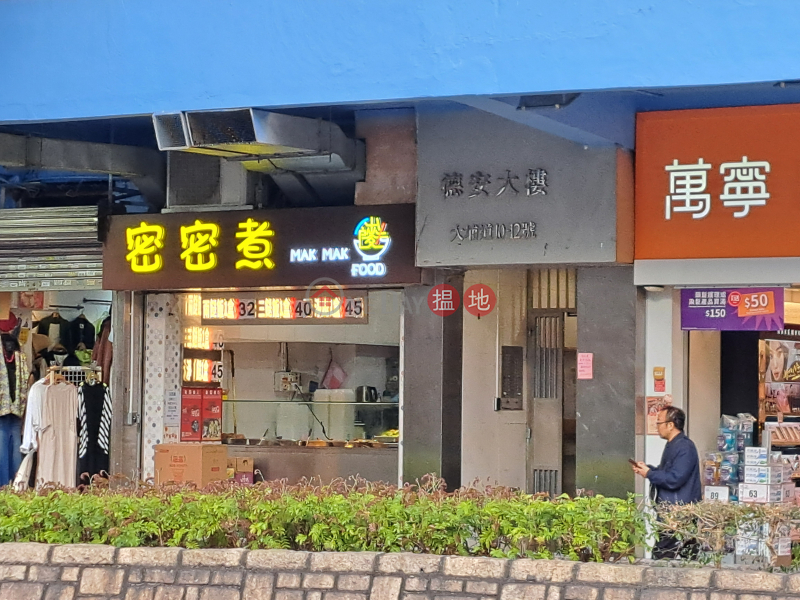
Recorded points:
(26, 476)
(81, 334)
(58, 436)
(13, 398)
(39, 344)
(11, 325)
(33, 417)
(56, 328)
(94, 416)
(103, 353)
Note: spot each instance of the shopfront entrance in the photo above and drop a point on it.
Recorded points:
(55, 324)
(545, 224)
(718, 275)
(278, 334)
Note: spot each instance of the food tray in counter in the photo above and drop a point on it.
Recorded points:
(387, 439)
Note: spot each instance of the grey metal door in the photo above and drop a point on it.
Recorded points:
(545, 408)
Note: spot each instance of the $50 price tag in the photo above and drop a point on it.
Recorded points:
(756, 303)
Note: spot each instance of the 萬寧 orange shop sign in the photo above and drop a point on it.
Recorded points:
(717, 183)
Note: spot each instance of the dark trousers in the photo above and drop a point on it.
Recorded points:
(10, 440)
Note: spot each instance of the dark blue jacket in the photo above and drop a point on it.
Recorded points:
(677, 478)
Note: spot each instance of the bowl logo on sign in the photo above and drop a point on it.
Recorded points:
(372, 240)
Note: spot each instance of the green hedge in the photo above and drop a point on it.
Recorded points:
(353, 515)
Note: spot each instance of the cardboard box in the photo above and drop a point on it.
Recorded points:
(231, 470)
(244, 470)
(752, 547)
(788, 492)
(771, 475)
(212, 415)
(756, 456)
(191, 414)
(190, 462)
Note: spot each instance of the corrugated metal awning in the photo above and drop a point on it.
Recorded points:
(50, 249)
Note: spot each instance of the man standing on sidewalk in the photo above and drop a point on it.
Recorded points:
(676, 480)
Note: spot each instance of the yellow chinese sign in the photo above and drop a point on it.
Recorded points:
(198, 242)
(144, 245)
(372, 238)
(197, 338)
(279, 308)
(219, 308)
(255, 246)
(286, 248)
(275, 308)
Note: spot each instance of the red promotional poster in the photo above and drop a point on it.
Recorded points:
(191, 414)
(212, 415)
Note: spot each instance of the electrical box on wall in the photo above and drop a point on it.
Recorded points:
(512, 365)
(285, 381)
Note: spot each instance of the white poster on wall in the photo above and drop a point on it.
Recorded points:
(172, 409)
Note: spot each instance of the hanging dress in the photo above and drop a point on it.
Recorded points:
(94, 416)
(58, 436)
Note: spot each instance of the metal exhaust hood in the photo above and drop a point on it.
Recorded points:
(261, 140)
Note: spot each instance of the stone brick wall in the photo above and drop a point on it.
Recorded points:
(43, 572)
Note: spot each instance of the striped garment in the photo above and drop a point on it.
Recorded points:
(94, 414)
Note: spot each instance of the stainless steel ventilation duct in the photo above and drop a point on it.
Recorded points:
(262, 141)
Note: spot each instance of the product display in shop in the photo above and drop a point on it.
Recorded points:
(58, 341)
(56, 432)
(94, 416)
(751, 474)
(13, 399)
(725, 467)
(741, 472)
(66, 431)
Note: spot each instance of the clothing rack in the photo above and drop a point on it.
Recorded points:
(77, 375)
(92, 301)
(52, 306)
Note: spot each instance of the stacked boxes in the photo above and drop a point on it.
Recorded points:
(766, 480)
(752, 547)
(240, 468)
(244, 470)
(725, 467)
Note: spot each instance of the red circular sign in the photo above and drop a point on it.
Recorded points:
(479, 300)
(734, 298)
(443, 300)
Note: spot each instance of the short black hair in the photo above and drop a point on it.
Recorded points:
(674, 415)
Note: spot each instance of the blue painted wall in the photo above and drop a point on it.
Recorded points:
(84, 58)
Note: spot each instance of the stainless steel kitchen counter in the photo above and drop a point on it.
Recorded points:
(294, 463)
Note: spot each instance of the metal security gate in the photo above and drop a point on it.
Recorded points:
(545, 411)
(50, 249)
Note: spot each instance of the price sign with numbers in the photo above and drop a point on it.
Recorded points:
(757, 303)
(216, 371)
(742, 309)
(303, 309)
(285, 307)
(717, 493)
(354, 307)
(246, 309)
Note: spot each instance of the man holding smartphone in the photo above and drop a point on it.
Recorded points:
(676, 480)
